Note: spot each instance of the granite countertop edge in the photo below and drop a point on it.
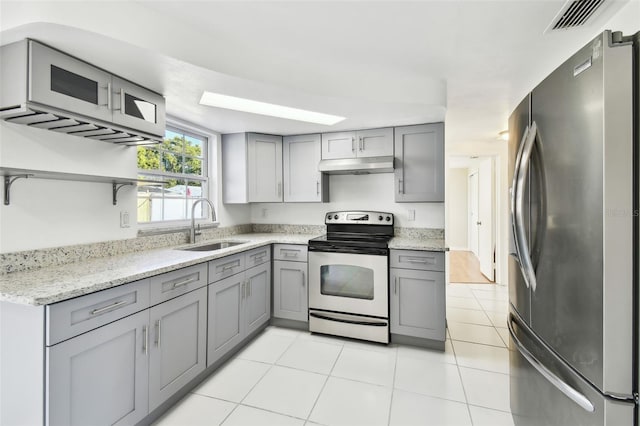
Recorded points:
(58, 283)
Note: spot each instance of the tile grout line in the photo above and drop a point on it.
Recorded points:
(464, 391)
(324, 385)
(393, 387)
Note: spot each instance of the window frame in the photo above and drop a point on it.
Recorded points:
(208, 138)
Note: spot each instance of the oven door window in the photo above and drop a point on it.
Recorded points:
(350, 281)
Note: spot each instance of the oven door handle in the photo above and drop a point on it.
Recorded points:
(371, 323)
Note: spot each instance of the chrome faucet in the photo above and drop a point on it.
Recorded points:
(194, 233)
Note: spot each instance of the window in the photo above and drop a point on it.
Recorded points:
(181, 161)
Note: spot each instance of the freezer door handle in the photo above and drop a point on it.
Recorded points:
(522, 245)
(514, 207)
(562, 386)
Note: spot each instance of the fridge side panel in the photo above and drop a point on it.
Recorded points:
(618, 219)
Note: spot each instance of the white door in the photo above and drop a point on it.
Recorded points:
(473, 213)
(485, 217)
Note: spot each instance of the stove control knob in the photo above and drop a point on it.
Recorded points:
(335, 217)
(329, 217)
(379, 217)
(388, 219)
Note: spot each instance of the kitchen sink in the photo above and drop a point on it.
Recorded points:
(213, 246)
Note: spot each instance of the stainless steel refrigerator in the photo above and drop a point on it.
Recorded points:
(573, 267)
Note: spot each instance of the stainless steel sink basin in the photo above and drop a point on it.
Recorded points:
(213, 246)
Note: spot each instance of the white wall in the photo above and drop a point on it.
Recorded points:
(353, 192)
(48, 213)
(51, 213)
(457, 214)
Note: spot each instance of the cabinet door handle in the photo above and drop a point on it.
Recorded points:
(395, 285)
(249, 288)
(108, 308)
(242, 289)
(353, 144)
(157, 340)
(121, 101)
(109, 96)
(145, 339)
(400, 189)
(317, 187)
(361, 144)
(303, 280)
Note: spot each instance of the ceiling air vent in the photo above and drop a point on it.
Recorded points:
(574, 14)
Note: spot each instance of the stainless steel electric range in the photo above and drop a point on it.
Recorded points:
(349, 276)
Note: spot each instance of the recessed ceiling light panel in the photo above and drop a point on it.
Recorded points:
(264, 108)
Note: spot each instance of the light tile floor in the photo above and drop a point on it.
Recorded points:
(287, 377)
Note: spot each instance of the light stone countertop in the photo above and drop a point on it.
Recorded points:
(57, 283)
(409, 243)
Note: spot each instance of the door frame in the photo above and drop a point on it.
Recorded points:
(499, 151)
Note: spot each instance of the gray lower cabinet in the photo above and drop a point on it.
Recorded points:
(238, 305)
(419, 163)
(100, 377)
(290, 290)
(418, 303)
(177, 344)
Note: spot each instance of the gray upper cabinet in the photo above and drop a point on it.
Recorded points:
(178, 340)
(419, 163)
(100, 377)
(302, 180)
(251, 168)
(69, 95)
(361, 143)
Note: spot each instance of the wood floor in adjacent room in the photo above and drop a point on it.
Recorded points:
(464, 267)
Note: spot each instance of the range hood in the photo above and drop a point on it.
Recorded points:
(357, 166)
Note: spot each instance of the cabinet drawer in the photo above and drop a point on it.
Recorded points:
(258, 256)
(226, 266)
(416, 259)
(172, 284)
(292, 252)
(75, 316)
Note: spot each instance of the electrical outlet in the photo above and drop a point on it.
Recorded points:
(124, 219)
(264, 213)
(411, 213)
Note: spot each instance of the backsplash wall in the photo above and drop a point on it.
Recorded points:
(353, 192)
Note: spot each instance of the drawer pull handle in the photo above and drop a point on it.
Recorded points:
(108, 308)
(294, 254)
(183, 283)
(259, 259)
(230, 265)
(418, 260)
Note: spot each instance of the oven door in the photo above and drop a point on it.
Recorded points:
(347, 282)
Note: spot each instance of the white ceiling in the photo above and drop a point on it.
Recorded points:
(378, 63)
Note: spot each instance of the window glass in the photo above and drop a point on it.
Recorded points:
(181, 162)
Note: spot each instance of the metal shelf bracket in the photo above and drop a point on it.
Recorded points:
(8, 181)
(117, 187)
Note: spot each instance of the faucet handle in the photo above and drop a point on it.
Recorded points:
(198, 231)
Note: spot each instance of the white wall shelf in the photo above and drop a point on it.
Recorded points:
(11, 175)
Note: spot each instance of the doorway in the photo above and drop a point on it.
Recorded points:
(472, 219)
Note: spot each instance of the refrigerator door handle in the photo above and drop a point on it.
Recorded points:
(515, 215)
(521, 240)
(556, 381)
(541, 226)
